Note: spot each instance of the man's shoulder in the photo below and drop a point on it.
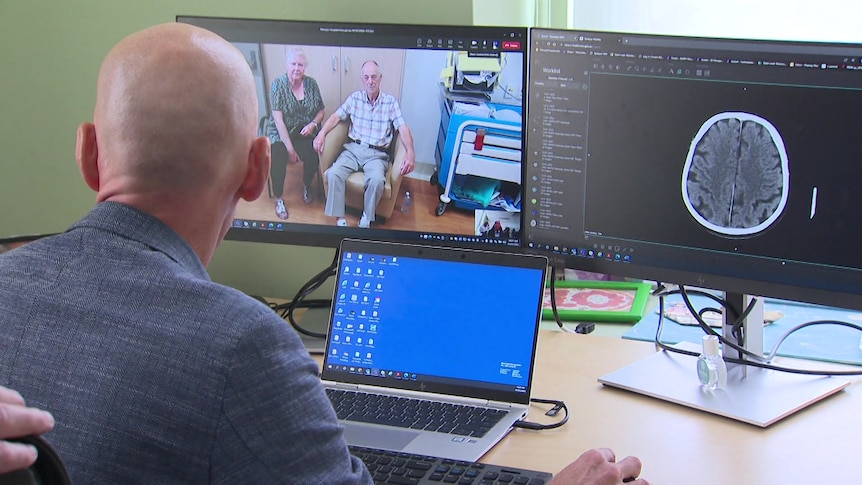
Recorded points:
(387, 99)
(357, 95)
(233, 306)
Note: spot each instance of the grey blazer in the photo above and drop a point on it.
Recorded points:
(154, 373)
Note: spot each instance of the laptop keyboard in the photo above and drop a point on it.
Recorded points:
(407, 468)
(403, 412)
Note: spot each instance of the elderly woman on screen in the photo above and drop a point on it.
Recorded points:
(297, 111)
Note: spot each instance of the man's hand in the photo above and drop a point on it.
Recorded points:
(408, 164)
(16, 421)
(406, 137)
(319, 143)
(599, 467)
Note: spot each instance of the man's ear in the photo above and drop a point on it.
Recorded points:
(87, 154)
(258, 169)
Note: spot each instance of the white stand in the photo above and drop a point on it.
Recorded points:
(753, 395)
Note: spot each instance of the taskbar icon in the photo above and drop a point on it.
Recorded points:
(264, 225)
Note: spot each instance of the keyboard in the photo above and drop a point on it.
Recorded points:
(404, 412)
(409, 469)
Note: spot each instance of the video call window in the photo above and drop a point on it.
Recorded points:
(461, 93)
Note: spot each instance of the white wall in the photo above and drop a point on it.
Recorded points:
(420, 103)
(515, 13)
(822, 20)
(521, 13)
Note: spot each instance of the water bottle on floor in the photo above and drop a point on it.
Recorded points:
(406, 203)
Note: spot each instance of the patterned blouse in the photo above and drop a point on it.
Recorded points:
(296, 112)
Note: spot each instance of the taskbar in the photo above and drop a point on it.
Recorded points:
(264, 225)
(485, 240)
(596, 251)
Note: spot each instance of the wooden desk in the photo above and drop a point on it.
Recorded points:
(678, 445)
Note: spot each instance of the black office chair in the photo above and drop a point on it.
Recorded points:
(48, 469)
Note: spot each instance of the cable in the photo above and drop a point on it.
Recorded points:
(553, 289)
(299, 300)
(781, 339)
(736, 326)
(552, 412)
(761, 364)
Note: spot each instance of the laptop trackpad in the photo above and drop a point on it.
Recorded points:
(376, 437)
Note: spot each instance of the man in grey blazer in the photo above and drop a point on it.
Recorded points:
(154, 373)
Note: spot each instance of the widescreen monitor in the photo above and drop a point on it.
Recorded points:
(725, 164)
(720, 163)
(461, 92)
(14, 242)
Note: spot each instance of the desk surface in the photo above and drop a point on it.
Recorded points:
(676, 444)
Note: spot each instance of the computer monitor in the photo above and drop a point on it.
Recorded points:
(14, 242)
(460, 89)
(720, 163)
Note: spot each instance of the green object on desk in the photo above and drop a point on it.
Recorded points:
(597, 301)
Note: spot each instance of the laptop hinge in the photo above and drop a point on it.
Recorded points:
(342, 385)
(421, 395)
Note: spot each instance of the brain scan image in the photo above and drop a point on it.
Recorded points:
(736, 177)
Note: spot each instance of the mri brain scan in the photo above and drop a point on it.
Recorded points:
(736, 177)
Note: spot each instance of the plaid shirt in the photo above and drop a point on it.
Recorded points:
(371, 123)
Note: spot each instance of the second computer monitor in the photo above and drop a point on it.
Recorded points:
(728, 164)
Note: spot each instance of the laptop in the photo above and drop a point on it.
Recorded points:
(442, 341)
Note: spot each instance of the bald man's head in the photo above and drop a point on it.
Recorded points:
(175, 132)
(175, 104)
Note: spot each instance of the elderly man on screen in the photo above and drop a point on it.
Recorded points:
(373, 114)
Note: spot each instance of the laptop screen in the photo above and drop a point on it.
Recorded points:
(442, 320)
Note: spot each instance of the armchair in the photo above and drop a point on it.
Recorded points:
(355, 188)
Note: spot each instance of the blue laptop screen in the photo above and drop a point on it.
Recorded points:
(431, 321)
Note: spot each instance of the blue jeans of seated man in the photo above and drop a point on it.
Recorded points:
(372, 162)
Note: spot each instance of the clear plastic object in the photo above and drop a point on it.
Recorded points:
(711, 369)
(405, 205)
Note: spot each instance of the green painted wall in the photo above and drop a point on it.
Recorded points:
(50, 52)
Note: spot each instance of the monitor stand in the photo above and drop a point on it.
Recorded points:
(756, 396)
